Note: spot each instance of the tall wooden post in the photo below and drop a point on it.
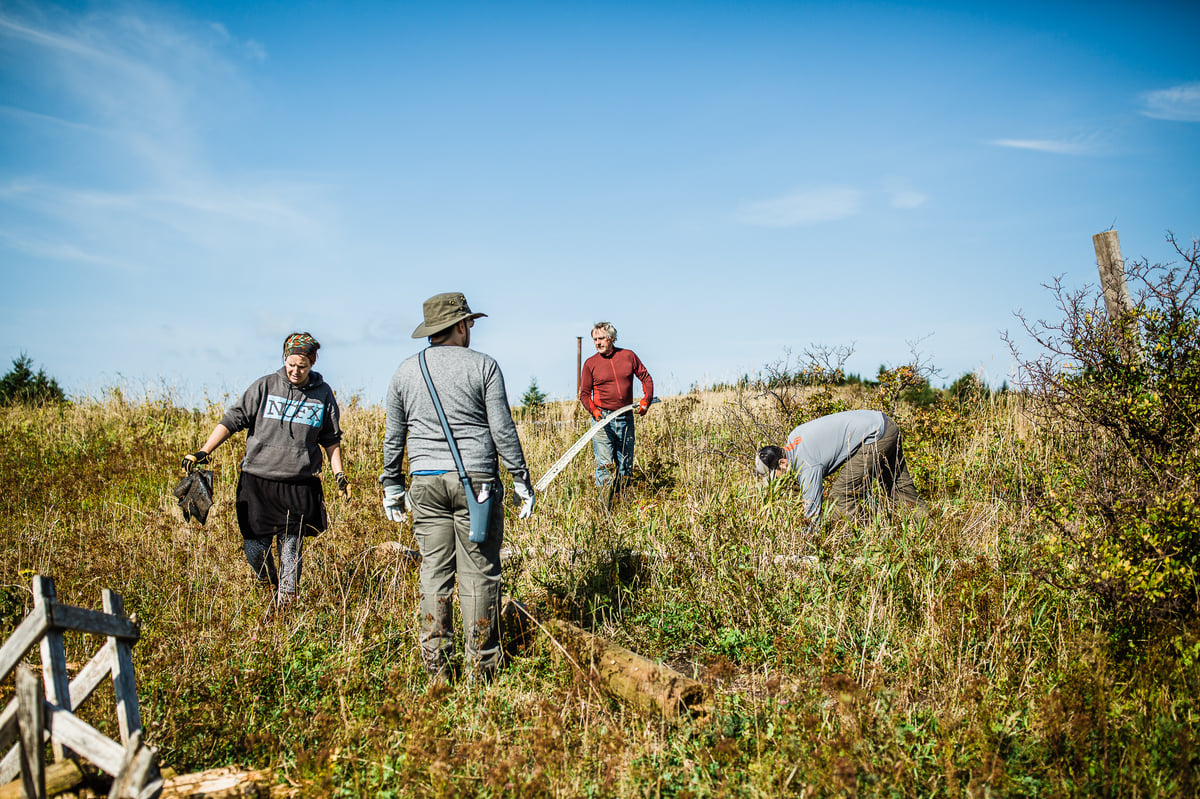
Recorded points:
(1112, 274)
(54, 656)
(129, 720)
(1117, 301)
(578, 362)
(31, 723)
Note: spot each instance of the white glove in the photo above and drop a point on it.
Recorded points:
(524, 492)
(393, 503)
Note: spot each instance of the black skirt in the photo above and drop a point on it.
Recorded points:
(272, 507)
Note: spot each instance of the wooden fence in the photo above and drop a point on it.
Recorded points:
(26, 722)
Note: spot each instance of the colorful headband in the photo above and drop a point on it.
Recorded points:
(301, 344)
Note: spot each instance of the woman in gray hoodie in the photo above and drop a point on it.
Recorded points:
(289, 416)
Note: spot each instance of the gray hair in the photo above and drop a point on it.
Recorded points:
(608, 329)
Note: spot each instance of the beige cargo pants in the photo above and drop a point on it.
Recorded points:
(441, 523)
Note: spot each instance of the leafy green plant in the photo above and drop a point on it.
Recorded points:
(1124, 397)
(968, 389)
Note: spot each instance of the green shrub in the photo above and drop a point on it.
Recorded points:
(1125, 397)
(969, 388)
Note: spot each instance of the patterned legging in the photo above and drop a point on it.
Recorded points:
(291, 552)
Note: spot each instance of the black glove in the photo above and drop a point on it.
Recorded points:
(343, 484)
(195, 459)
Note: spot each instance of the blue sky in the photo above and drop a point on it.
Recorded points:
(183, 184)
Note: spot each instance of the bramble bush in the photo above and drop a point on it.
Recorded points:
(1124, 500)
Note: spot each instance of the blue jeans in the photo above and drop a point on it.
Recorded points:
(614, 443)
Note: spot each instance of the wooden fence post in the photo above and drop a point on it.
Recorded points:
(139, 775)
(31, 721)
(124, 685)
(43, 708)
(54, 656)
(1112, 274)
(1117, 301)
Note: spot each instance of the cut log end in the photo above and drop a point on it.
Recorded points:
(629, 677)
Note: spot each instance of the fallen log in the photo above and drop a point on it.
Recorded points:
(224, 783)
(648, 686)
(61, 777)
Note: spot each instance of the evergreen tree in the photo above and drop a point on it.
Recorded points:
(21, 385)
(534, 399)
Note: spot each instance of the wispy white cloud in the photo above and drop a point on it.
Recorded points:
(251, 48)
(908, 199)
(1179, 103)
(824, 204)
(19, 29)
(136, 230)
(55, 250)
(42, 121)
(133, 185)
(255, 49)
(1054, 146)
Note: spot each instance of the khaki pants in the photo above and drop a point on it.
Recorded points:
(881, 460)
(441, 523)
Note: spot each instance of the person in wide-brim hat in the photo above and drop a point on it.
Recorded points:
(443, 311)
(454, 438)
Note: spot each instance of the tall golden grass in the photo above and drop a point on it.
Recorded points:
(904, 655)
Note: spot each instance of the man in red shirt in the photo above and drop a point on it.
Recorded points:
(606, 385)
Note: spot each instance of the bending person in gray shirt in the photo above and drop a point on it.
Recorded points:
(864, 444)
(471, 390)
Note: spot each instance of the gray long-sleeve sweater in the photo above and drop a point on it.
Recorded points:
(818, 447)
(471, 389)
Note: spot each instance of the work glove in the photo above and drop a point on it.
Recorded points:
(343, 484)
(643, 406)
(524, 492)
(394, 504)
(190, 462)
(596, 415)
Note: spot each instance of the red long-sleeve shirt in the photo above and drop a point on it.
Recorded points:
(607, 382)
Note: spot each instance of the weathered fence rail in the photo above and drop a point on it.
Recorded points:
(44, 711)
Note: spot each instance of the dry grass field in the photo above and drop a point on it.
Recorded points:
(902, 655)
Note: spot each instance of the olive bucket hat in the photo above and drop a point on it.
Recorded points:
(442, 311)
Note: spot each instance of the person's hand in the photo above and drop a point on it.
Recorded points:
(343, 484)
(394, 503)
(643, 406)
(596, 415)
(524, 492)
(190, 462)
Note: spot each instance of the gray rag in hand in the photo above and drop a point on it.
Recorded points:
(195, 494)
